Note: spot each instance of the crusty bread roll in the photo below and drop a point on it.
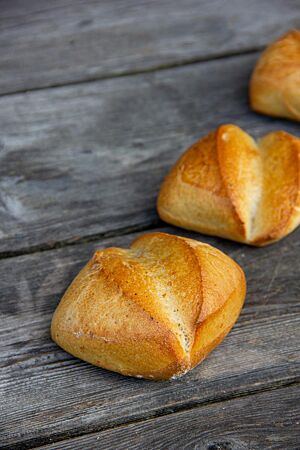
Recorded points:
(153, 311)
(275, 82)
(228, 185)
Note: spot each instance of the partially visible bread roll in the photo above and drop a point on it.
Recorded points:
(275, 82)
(153, 311)
(228, 185)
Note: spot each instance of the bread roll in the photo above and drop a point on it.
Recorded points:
(228, 185)
(153, 311)
(275, 82)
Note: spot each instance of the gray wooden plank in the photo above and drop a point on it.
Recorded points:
(87, 159)
(45, 44)
(50, 395)
(268, 420)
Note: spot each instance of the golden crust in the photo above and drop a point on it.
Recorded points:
(275, 82)
(153, 311)
(228, 185)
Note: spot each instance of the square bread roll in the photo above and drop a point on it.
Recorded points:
(228, 185)
(154, 310)
(275, 82)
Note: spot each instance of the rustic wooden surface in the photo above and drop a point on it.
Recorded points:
(51, 395)
(86, 150)
(238, 424)
(82, 162)
(53, 43)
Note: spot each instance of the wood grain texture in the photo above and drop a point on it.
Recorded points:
(251, 422)
(81, 160)
(67, 42)
(50, 395)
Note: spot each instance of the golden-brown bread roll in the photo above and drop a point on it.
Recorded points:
(153, 311)
(275, 82)
(228, 185)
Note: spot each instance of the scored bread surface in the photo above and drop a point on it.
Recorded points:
(275, 82)
(154, 310)
(228, 185)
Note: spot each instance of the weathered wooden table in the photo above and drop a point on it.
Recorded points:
(98, 99)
